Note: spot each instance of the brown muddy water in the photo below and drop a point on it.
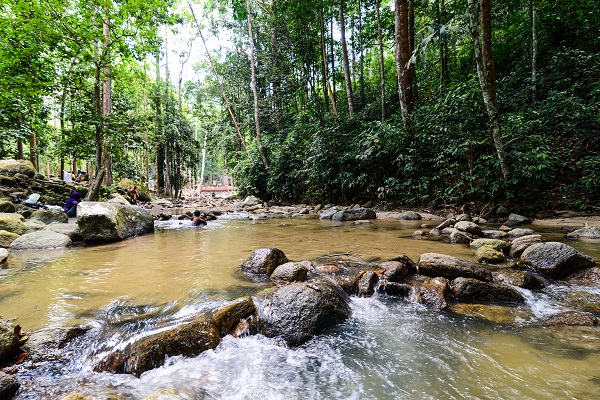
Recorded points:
(388, 349)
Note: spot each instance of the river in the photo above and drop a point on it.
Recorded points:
(388, 349)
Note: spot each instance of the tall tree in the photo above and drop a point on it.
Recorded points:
(484, 60)
(345, 62)
(381, 60)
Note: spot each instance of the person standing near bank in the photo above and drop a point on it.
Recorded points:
(133, 193)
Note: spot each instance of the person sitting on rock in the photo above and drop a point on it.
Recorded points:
(199, 218)
(71, 204)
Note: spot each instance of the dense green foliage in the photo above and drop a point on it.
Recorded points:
(54, 59)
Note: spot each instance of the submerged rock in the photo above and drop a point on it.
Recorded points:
(469, 289)
(187, 340)
(585, 276)
(104, 222)
(299, 311)
(497, 313)
(554, 259)
(434, 264)
(584, 301)
(572, 318)
(263, 261)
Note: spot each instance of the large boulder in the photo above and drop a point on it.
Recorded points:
(518, 245)
(9, 341)
(298, 311)
(328, 213)
(263, 261)
(104, 223)
(474, 290)
(49, 216)
(43, 239)
(14, 223)
(6, 238)
(554, 259)
(441, 265)
(354, 215)
(12, 167)
(187, 340)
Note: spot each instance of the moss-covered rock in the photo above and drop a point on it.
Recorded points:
(11, 222)
(104, 223)
(6, 238)
(13, 167)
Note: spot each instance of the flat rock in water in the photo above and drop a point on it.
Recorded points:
(49, 216)
(522, 279)
(572, 318)
(71, 230)
(516, 220)
(497, 244)
(48, 344)
(354, 215)
(554, 259)
(469, 227)
(441, 265)
(328, 213)
(588, 232)
(489, 254)
(518, 232)
(42, 239)
(494, 234)
(409, 216)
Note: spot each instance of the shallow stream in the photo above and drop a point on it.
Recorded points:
(388, 349)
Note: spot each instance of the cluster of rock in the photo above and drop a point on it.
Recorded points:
(307, 299)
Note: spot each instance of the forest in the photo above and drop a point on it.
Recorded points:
(403, 102)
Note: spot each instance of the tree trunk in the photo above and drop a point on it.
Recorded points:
(107, 103)
(160, 149)
(345, 62)
(33, 157)
(94, 192)
(485, 71)
(254, 89)
(400, 66)
(534, 50)
(326, 85)
(381, 60)
(20, 154)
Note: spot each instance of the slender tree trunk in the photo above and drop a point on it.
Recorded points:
(255, 89)
(225, 99)
(412, 87)
(61, 118)
(160, 147)
(168, 115)
(332, 56)
(345, 61)
(187, 57)
(107, 103)
(33, 156)
(400, 70)
(361, 55)
(485, 71)
(326, 85)
(381, 60)
(275, 65)
(20, 154)
(406, 53)
(533, 52)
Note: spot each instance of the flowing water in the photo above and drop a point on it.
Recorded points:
(388, 349)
